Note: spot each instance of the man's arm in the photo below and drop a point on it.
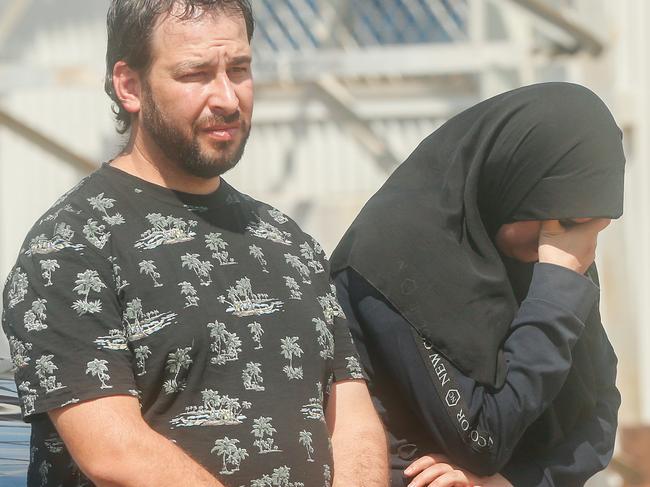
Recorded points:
(114, 447)
(358, 439)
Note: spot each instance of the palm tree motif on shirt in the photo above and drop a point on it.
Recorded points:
(308, 254)
(48, 267)
(86, 282)
(148, 267)
(313, 409)
(17, 285)
(265, 230)
(139, 324)
(243, 301)
(142, 353)
(232, 455)
(252, 377)
(331, 307)
(96, 234)
(278, 216)
(295, 262)
(98, 368)
(43, 470)
(289, 349)
(257, 253)
(256, 332)
(28, 397)
(53, 216)
(115, 340)
(216, 410)
(117, 277)
(101, 204)
(294, 288)
(354, 367)
(165, 230)
(176, 362)
(61, 239)
(263, 432)
(19, 352)
(226, 344)
(201, 268)
(325, 338)
(187, 290)
(54, 444)
(45, 372)
(281, 477)
(327, 476)
(214, 242)
(304, 438)
(35, 318)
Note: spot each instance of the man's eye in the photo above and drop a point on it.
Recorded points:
(193, 76)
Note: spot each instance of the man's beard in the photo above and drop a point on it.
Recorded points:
(185, 151)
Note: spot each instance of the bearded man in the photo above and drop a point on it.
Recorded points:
(168, 330)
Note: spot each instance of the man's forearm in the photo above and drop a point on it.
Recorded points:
(115, 447)
(358, 439)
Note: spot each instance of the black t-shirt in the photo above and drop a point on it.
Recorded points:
(216, 311)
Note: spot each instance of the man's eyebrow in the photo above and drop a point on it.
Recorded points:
(241, 60)
(184, 66)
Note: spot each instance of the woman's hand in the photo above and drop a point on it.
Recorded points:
(436, 471)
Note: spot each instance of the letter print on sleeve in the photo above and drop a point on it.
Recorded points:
(289, 349)
(101, 204)
(99, 368)
(148, 267)
(231, 454)
(263, 432)
(216, 410)
(48, 267)
(86, 282)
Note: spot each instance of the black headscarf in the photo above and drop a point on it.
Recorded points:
(424, 240)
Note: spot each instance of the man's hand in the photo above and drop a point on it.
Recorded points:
(358, 440)
(573, 247)
(436, 471)
(111, 443)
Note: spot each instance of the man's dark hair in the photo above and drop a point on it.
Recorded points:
(130, 24)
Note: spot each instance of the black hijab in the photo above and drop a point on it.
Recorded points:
(424, 240)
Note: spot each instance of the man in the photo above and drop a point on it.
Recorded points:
(167, 329)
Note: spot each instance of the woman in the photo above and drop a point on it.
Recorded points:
(473, 350)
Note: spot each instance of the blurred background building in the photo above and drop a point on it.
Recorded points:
(345, 91)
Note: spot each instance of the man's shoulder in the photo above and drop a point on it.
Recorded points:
(63, 220)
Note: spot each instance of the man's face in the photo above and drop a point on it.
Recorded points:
(197, 98)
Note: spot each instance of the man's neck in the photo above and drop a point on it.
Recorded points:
(154, 167)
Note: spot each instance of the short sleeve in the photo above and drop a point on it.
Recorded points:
(63, 320)
(346, 358)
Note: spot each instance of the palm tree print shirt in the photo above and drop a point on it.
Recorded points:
(216, 311)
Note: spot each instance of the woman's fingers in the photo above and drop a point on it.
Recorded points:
(430, 474)
(424, 462)
(453, 478)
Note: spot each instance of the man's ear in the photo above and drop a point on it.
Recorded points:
(128, 87)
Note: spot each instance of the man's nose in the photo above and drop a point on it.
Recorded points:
(223, 98)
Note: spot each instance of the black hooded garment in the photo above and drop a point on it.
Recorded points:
(419, 259)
